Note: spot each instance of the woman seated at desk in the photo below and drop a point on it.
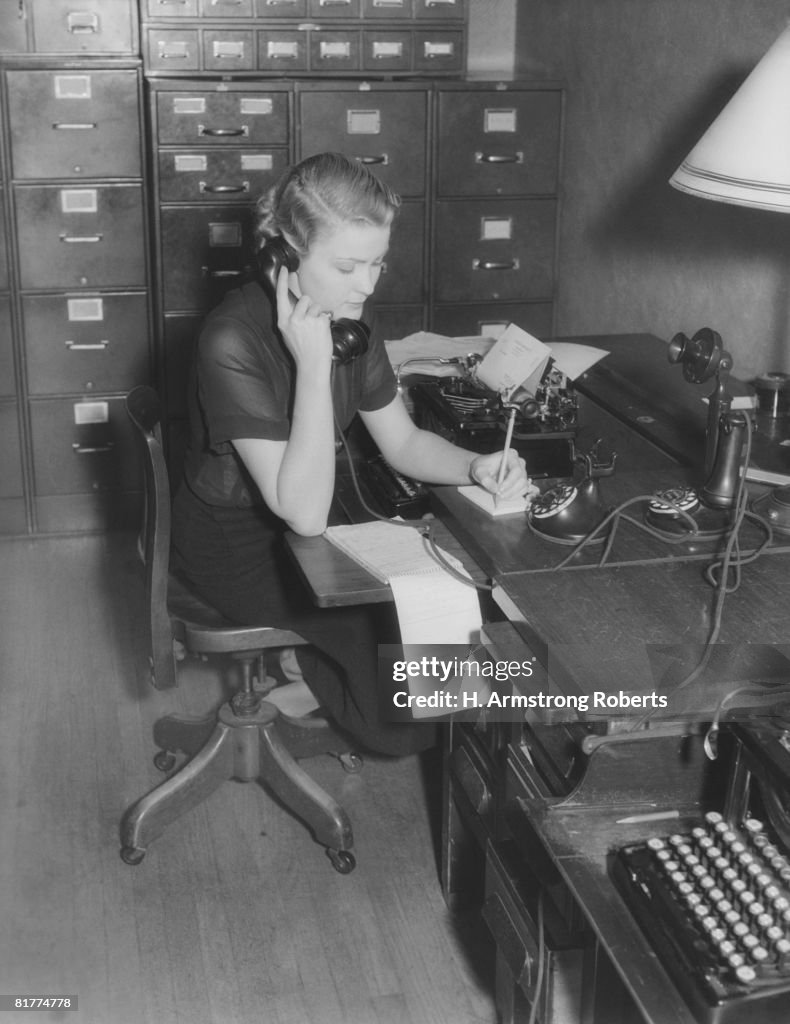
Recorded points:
(264, 400)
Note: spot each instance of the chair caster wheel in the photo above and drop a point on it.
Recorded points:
(164, 761)
(343, 861)
(352, 763)
(131, 855)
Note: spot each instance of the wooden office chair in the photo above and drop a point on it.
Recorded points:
(249, 738)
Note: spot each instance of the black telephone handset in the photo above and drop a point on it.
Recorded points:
(349, 337)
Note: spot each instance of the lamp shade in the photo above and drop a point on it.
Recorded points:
(744, 157)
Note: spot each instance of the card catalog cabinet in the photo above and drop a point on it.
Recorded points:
(80, 305)
(304, 37)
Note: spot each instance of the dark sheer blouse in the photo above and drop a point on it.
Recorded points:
(243, 386)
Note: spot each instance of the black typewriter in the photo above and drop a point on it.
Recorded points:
(715, 904)
(471, 415)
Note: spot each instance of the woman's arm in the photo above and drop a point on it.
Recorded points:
(430, 458)
(297, 477)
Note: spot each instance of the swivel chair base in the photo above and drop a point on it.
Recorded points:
(255, 743)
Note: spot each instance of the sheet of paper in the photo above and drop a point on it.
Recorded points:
(424, 346)
(574, 360)
(435, 609)
(514, 357)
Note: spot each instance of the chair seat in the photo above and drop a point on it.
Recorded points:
(204, 630)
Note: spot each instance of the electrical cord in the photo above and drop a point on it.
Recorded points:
(710, 743)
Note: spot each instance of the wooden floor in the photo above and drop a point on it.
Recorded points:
(235, 916)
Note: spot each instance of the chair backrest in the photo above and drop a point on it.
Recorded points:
(145, 411)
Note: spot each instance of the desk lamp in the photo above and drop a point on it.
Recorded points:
(744, 158)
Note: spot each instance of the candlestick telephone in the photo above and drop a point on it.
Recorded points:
(349, 337)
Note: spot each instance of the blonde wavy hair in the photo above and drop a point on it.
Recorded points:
(319, 194)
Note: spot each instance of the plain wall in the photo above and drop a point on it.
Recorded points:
(644, 79)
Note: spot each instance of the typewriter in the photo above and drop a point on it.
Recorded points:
(469, 414)
(714, 899)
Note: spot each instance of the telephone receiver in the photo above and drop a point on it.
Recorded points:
(349, 337)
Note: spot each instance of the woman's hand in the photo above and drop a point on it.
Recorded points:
(304, 327)
(484, 470)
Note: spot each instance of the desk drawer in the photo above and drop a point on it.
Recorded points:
(209, 118)
(74, 124)
(495, 250)
(80, 237)
(85, 343)
(215, 175)
(499, 143)
(82, 447)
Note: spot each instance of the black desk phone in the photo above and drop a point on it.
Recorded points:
(349, 337)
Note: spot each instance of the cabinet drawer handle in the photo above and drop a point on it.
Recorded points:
(497, 158)
(221, 273)
(76, 126)
(172, 3)
(382, 159)
(218, 133)
(100, 449)
(333, 3)
(76, 346)
(174, 54)
(81, 239)
(281, 3)
(493, 265)
(220, 189)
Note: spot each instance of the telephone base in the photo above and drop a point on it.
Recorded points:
(699, 520)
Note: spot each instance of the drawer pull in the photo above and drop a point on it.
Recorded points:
(218, 133)
(334, 3)
(281, 3)
(383, 159)
(100, 449)
(76, 126)
(82, 22)
(76, 346)
(493, 265)
(172, 3)
(499, 158)
(221, 273)
(81, 239)
(226, 3)
(174, 54)
(221, 189)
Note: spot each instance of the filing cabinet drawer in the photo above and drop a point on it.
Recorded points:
(74, 124)
(490, 250)
(205, 252)
(169, 8)
(386, 50)
(211, 175)
(499, 143)
(392, 10)
(436, 10)
(281, 8)
(438, 51)
(80, 237)
(95, 26)
(326, 9)
(85, 343)
(335, 51)
(170, 49)
(490, 320)
(6, 348)
(82, 447)
(221, 117)
(227, 8)
(283, 50)
(393, 322)
(10, 455)
(13, 30)
(384, 130)
(403, 276)
(228, 51)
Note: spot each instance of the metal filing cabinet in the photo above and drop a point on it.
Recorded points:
(496, 182)
(88, 28)
(80, 256)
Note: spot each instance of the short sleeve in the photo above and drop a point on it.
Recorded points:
(380, 386)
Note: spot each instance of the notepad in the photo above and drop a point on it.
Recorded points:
(485, 500)
(385, 549)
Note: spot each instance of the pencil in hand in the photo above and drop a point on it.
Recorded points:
(503, 464)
